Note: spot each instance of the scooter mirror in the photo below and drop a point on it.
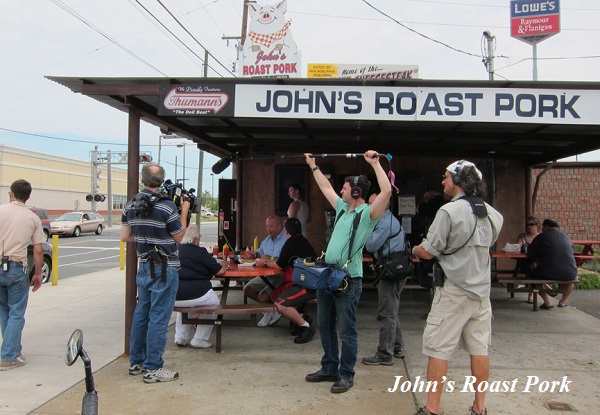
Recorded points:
(73, 347)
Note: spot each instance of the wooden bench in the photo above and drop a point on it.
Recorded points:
(224, 310)
(512, 287)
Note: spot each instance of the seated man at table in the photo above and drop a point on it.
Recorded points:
(553, 257)
(287, 296)
(269, 250)
(195, 288)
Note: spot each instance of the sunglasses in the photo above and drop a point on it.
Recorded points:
(531, 224)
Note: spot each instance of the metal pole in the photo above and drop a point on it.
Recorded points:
(109, 185)
(94, 176)
(159, 141)
(535, 71)
(490, 50)
(184, 165)
(175, 169)
(199, 190)
(205, 63)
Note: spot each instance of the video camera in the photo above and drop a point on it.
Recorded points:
(178, 194)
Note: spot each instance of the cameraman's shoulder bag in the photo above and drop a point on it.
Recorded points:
(320, 275)
(397, 266)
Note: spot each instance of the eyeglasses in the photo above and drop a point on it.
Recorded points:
(531, 224)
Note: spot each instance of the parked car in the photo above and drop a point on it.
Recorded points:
(46, 266)
(74, 223)
(43, 215)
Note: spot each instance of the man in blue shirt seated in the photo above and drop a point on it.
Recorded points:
(553, 257)
(269, 250)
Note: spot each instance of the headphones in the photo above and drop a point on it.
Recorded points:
(457, 171)
(355, 190)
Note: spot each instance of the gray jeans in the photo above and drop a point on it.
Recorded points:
(390, 332)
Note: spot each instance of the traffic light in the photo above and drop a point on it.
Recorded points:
(89, 198)
(99, 198)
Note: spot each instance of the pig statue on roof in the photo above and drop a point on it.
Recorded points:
(269, 32)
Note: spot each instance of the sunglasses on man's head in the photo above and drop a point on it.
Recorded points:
(531, 224)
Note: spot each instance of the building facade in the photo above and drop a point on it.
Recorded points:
(59, 184)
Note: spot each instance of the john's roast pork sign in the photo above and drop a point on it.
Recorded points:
(269, 50)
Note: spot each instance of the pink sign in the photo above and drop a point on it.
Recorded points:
(535, 26)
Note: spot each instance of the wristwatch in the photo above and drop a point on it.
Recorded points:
(315, 168)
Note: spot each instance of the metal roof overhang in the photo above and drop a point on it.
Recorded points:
(531, 143)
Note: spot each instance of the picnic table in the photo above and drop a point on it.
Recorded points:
(197, 315)
(513, 283)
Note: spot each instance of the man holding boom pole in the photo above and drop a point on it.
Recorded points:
(341, 307)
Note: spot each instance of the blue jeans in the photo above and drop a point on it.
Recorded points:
(337, 312)
(390, 332)
(14, 293)
(151, 317)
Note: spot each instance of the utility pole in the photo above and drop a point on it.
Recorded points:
(94, 176)
(488, 60)
(109, 188)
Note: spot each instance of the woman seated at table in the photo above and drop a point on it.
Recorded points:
(195, 288)
(532, 229)
(553, 256)
(288, 295)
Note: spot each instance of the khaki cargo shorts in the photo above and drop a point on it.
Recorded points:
(457, 319)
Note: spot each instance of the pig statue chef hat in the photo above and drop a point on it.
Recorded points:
(456, 167)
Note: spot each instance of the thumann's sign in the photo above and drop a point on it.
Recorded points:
(182, 100)
(534, 19)
(545, 106)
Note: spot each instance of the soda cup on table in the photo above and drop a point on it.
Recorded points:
(215, 250)
(225, 251)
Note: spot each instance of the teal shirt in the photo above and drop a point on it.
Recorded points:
(337, 249)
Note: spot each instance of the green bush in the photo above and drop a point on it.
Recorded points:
(588, 281)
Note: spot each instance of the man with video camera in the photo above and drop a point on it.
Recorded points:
(151, 220)
(460, 238)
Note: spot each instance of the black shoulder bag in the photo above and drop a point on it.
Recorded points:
(395, 267)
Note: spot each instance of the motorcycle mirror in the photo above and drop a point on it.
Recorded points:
(74, 347)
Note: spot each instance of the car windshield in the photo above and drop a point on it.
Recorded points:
(69, 217)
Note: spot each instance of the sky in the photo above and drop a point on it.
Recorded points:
(119, 38)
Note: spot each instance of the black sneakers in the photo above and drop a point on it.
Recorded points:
(305, 335)
(295, 329)
(376, 359)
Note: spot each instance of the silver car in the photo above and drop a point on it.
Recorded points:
(74, 223)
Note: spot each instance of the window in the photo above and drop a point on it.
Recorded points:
(119, 202)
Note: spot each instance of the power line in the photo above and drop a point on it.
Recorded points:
(419, 33)
(72, 12)
(62, 138)
(196, 40)
(168, 30)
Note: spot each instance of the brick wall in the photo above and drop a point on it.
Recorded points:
(570, 194)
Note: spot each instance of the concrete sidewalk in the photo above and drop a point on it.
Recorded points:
(261, 370)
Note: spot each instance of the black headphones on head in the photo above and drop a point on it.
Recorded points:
(457, 171)
(355, 190)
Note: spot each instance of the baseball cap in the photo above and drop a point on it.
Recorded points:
(458, 165)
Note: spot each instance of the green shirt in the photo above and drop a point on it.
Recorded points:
(337, 249)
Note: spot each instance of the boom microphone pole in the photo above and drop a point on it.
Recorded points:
(222, 164)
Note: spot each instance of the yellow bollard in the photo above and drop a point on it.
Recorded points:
(54, 259)
(122, 256)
